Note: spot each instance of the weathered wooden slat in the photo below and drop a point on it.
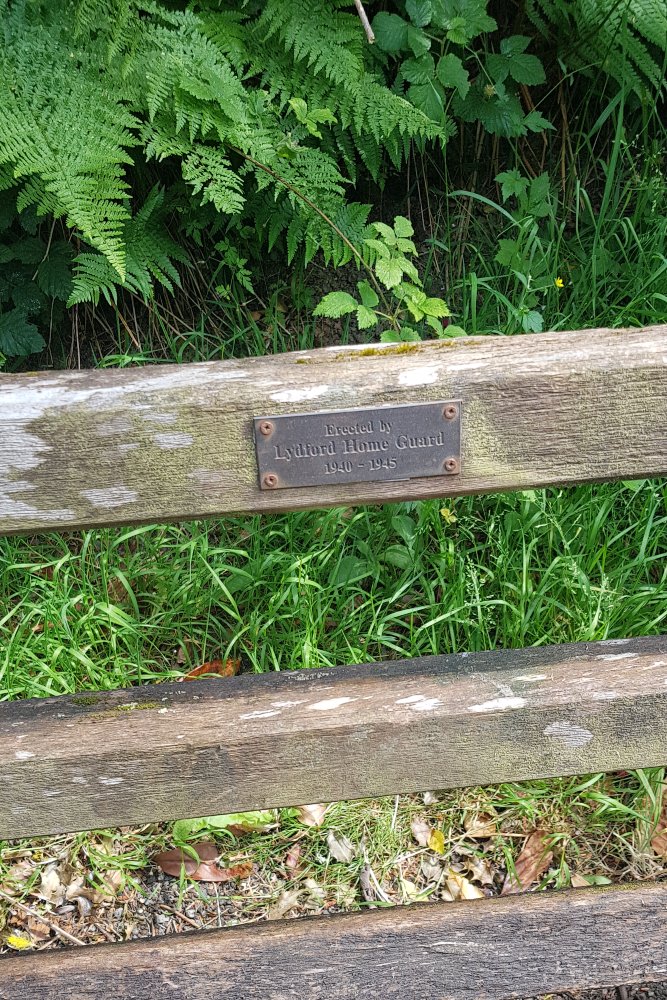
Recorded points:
(177, 750)
(171, 442)
(492, 949)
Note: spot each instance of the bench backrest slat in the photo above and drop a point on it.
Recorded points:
(172, 442)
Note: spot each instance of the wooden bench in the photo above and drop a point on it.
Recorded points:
(171, 442)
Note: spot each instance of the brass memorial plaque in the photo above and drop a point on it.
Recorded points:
(385, 443)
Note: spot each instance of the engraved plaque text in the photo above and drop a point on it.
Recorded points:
(383, 443)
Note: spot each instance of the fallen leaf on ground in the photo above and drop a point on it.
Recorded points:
(285, 902)
(39, 931)
(421, 831)
(480, 871)
(311, 815)
(479, 826)
(340, 847)
(461, 888)
(431, 869)
(430, 798)
(659, 838)
(579, 882)
(533, 861)
(203, 869)
(292, 857)
(436, 841)
(51, 888)
(218, 668)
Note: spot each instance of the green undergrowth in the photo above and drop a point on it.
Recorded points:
(110, 608)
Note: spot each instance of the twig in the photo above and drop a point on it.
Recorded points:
(363, 17)
(45, 920)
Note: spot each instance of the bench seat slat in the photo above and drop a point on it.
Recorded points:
(214, 746)
(492, 949)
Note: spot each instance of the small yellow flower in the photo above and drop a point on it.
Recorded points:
(558, 282)
(448, 516)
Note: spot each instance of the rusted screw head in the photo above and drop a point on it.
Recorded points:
(450, 465)
(270, 481)
(266, 428)
(450, 412)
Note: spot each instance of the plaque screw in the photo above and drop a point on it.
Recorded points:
(266, 428)
(450, 412)
(270, 481)
(450, 465)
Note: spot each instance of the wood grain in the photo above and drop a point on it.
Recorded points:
(172, 442)
(215, 746)
(484, 950)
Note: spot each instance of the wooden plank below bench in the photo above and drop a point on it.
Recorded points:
(210, 747)
(176, 441)
(492, 949)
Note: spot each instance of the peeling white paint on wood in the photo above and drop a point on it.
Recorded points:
(427, 705)
(498, 705)
(173, 440)
(260, 714)
(423, 375)
(608, 657)
(23, 755)
(410, 699)
(530, 678)
(330, 703)
(300, 395)
(114, 496)
(568, 733)
(110, 781)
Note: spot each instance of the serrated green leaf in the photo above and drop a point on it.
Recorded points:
(535, 122)
(532, 321)
(418, 40)
(367, 294)
(514, 45)
(455, 331)
(259, 819)
(366, 318)
(435, 307)
(18, 336)
(335, 304)
(389, 271)
(386, 232)
(420, 70)
(452, 73)
(420, 12)
(403, 227)
(428, 97)
(527, 69)
(391, 32)
(512, 183)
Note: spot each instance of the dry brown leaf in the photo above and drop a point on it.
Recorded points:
(480, 826)
(204, 869)
(312, 815)
(285, 902)
(215, 668)
(659, 838)
(533, 861)
(340, 847)
(579, 882)
(421, 830)
(292, 857)
(460, 888)
(39, 931)
(480, 871)
(51, 888)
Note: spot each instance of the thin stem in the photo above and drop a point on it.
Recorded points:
(363, 17)
(311, 204)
